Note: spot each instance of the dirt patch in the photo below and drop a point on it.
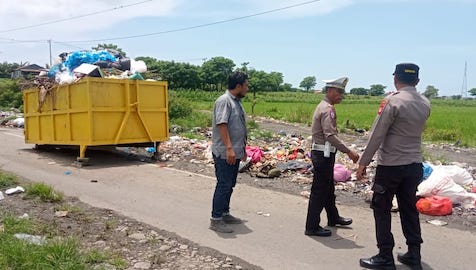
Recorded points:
(140, 245)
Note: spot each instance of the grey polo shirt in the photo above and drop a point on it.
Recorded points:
(228, 110)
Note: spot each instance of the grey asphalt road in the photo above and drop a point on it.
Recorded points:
(179, 202)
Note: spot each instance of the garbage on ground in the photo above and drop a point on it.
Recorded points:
(443, 181)
(61, 213)
(437, 222)
(435, 206)
(260, 213)
(1, 196)
(33, 239)
(24, 216)
(341, 173)
(288, 157)
(14, 190)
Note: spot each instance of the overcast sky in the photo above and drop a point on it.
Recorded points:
(361, 39)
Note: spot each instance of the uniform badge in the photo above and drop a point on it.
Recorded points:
(382, 106)
(332, 114)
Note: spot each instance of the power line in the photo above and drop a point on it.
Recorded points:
(11, 40)
(74, 17)
(196, 26)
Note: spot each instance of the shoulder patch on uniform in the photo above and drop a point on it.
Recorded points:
(382, 106)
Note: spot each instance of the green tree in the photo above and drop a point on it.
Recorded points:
(215, 71)
(377, 90)
(6, 69)
(431, 92)
(10, 94)
(112, 47)
(286, 87)
(308, 83)
(275, 80)
(359, 91)
(472, 92)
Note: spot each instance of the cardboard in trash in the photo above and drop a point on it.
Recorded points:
(89, 70)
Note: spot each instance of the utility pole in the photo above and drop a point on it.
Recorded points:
(49, 43)
(464, 87)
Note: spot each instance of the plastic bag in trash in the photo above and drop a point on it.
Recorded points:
(427, 170)
(435, 206)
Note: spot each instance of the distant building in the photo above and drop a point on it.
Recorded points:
(27, 71)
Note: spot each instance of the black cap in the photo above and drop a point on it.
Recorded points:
(406, 71)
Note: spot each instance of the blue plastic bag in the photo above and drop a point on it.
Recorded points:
(427, 170)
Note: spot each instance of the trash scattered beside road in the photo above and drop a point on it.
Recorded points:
(288, 156)
(33, 239)
(14, 190)
(437, 222)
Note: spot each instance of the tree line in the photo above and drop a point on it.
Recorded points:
(212, 75)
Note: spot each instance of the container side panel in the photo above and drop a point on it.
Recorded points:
(32, 129)
(61, 122)
(107, 94)
(153, 95)
(31, 103)
(62, 102)
(78, 96)
(80, 127)
(134, 130)
(106, 125)
(157, 124)
(47, 129)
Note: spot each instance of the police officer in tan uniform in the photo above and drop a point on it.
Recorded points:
(323, 152)
(396, 134)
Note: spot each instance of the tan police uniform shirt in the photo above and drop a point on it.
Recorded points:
(397, 129)
(324, 126)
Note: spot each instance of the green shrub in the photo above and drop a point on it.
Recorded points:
(7, 180)
(43, 191)
(179, 107)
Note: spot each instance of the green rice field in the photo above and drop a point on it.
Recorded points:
(450, 121)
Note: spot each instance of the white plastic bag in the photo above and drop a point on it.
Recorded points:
(441, 183)
(459, 175)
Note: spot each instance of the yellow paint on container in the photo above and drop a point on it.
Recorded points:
(96, 112)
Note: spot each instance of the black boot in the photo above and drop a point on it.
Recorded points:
(378, 261)
(412, 258)
(319, 231)
(340, 221)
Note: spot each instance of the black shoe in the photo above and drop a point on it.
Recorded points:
(340, 221)
(378, 262)
(318, 232)
(411, 260)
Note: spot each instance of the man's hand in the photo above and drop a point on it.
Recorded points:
(230, 156)
(353, 156)
(361, 172)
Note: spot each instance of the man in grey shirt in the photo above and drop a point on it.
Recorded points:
(228, 148)
(396, 134)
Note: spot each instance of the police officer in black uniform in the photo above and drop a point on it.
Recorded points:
(396, 134)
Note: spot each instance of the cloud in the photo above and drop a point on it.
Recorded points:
(14, 14)
(316, 8)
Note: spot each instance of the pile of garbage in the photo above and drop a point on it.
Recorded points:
(12, 118)
(74, 66)
(103, 63)
(289, 156)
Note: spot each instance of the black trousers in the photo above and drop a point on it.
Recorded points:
(401, 181)
(322, 190)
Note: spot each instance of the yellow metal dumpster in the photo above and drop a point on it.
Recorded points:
(97, 112)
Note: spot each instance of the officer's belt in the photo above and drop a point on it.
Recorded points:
(320, 147)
